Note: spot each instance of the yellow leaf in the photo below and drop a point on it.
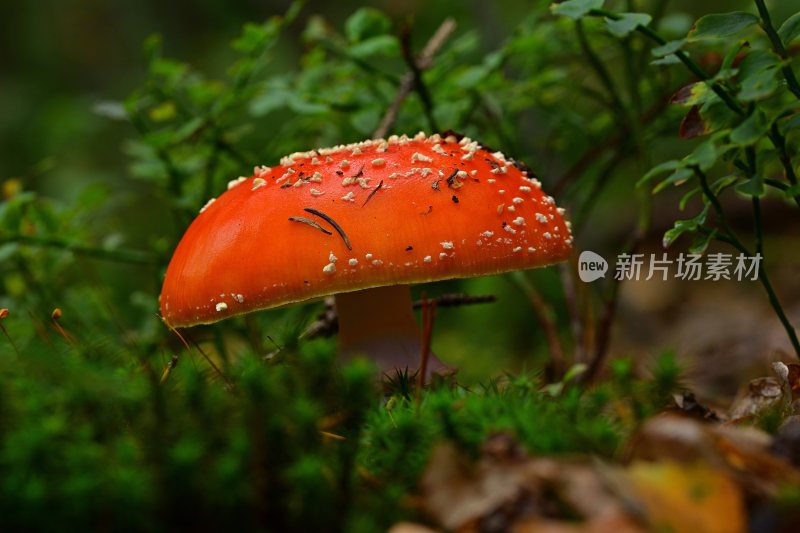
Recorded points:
(694, 498)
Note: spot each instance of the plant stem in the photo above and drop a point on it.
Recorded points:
(731, 239)
(777, 45)
(779, 141)
(776, 305)
(603, 75)
(546, 317)
(419, 83)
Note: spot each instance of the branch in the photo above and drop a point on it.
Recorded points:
(409, 80)
(777, 45)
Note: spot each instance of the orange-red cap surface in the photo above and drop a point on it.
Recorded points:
(409, 210)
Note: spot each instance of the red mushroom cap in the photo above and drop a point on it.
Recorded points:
(379, 212)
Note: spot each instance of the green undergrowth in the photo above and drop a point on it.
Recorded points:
(87, 443)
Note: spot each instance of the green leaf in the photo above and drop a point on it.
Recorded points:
(726, 74)
(628, 22)
(704, 156)
(275, 94)
(757, 61)
(792, 124)
(385, 45)
(751, 187)
(575, 9)
(151, 48)
(759, 86)
(188, 129)
(721, 25)
(701, 241)
(790, 29)
(679, 177)
(666, 166)
(693, 94)
(686, 197)
(750, 130)
(669, 48)
(723, 183)
(792, 191)
(366, 120)
(304, 106)
(163, 112)
(716, 115)
(666, 60)
(366, 22)
(256, 37)
(683, 226)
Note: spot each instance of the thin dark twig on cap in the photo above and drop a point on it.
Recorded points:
(372, 193)
(333, 223)
(423, 62)
(311, 223)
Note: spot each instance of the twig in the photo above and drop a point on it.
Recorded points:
(779, 141)
(605, 78)
(173, 361)
(545, 315)
(603, 332)
(55, 316)
(4, 314)
(590, 156)
(212, 364)
(333, 223)
(457, 300)
(428, 317)
(730, 237)
(407, 82)
(777, 45)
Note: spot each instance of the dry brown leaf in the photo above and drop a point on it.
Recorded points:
(456, 492)
(505, 486)
(618, 523)
(760, 394)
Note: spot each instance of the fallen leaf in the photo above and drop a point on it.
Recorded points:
(409, 527)
(761, 394)
(681, 497)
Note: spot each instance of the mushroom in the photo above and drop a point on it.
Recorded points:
(363, 222)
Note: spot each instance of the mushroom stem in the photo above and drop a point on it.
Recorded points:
(380, 324)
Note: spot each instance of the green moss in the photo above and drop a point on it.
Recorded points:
(299, 444)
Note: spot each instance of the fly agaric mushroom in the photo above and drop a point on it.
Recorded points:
(363, 221)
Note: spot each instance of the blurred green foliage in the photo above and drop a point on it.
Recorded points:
(94, 203)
